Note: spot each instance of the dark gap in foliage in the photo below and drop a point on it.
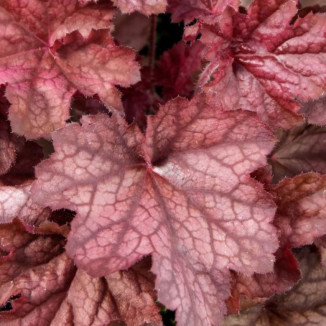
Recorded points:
(81, 105)
(8, 306)
(159, 90)
(193, 22)
(168, 317)
(243, 10)
(62, 216)
(167, 34)
(144, 51)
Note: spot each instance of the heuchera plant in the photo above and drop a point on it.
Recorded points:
(139, 175)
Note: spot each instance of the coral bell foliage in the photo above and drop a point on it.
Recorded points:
(145, 175)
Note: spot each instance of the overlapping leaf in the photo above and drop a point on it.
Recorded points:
(40, 285)
(260, 287)
(301, 149)
(300, 220)
(301, 214)
(181, 193)
(304, 305)
(275, 62)
(42, 80)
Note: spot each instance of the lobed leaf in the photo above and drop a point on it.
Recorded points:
(182, 193)
(40, 81)
(275, 61)
(39, 284)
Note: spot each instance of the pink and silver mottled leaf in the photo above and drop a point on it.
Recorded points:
(275, 63)
(301, 214)
(181, 193)
(304, 305)
(146, 7)
(301, 149)
(38, 87)
(17, 202)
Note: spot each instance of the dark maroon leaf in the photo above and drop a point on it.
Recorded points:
(304, 305)
(301, 149)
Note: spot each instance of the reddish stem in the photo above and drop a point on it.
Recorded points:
(152, 44)
(152, 52)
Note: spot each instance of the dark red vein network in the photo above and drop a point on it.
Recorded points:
(41, 80)
(181, 193)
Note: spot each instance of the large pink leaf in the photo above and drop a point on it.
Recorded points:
(146, 7)
(301, 149)
(274, 62)
(40, 80)
(39, 285)
(304, 305)
(181, 193)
